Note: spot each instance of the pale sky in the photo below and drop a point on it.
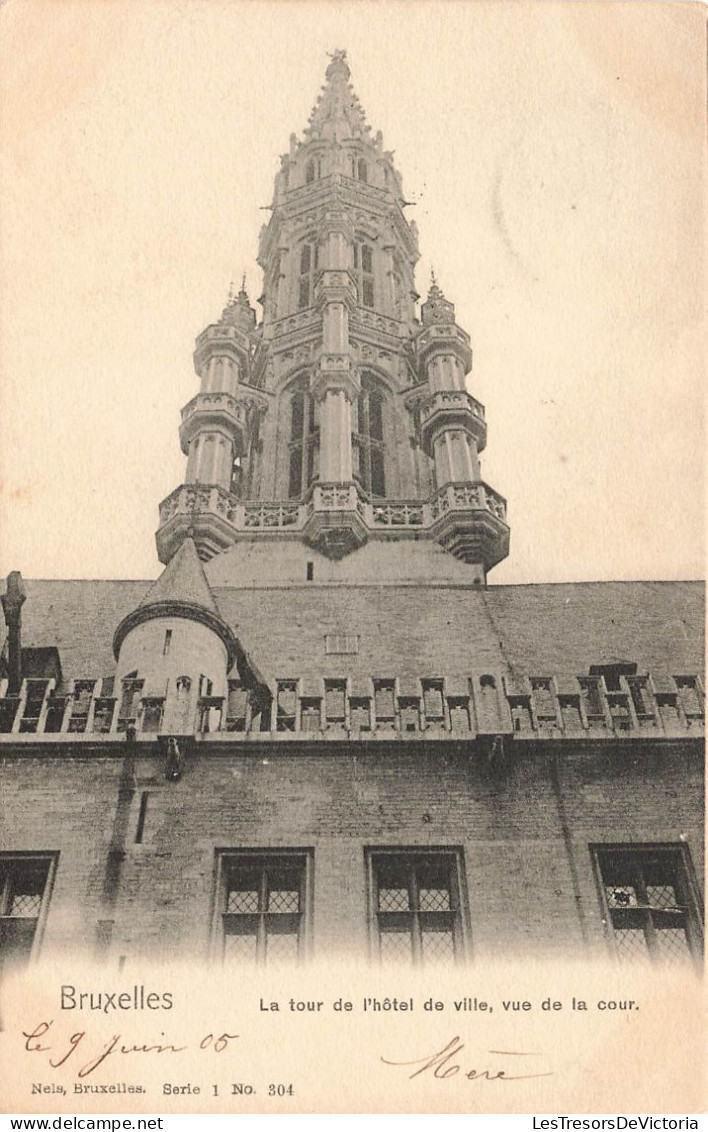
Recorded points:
(555, 154)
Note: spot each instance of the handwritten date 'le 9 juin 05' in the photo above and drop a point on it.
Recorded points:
(39, 1040)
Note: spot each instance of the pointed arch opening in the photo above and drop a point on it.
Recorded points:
(363, 256)
(313, 170)
(368, 438)
(303, 449)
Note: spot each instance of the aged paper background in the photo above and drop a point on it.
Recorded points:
(555, 153)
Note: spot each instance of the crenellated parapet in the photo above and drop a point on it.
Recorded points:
(629, 711)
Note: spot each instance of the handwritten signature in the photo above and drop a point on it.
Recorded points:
(447, 1063)
(42, 1032)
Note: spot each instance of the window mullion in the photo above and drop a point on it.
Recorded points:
(367, 444)
(416, 931)
(647, 918)
(262, 939)
(304, 451)
(5, 895)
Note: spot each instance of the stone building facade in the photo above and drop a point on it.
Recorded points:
(322, 731)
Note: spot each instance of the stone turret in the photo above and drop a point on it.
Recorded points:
(174, 649)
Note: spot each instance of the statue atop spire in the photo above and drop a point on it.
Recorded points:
(338, 64)
(337, 114)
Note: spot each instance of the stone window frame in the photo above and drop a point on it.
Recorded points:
(411, 863)
(18, 867)
(341, 644)
(634, 909)
(269, 867)
(307, 267)
(313, 169)
(363, 266)
(359, 168)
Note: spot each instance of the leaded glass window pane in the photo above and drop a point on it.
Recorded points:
(394, 900)
(416, 907)
(263, 909)
(438, 946)
(650, 911)
(281, 947)
(240, 947)
(283, 900)
(396, 946)
(23, 884)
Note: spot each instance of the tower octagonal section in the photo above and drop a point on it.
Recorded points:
(343, 417)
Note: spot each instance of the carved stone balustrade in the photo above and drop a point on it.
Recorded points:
(221, 338)
(468, 519)
(363, 320)
(215, 518)
(444, 338)
(449, 408)
(232, 411)
(307, 321)
(399, 514)
(336, 524)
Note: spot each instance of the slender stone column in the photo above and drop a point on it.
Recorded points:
(335, 437)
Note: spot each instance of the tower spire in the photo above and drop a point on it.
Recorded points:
(337, 113)
(345, 400)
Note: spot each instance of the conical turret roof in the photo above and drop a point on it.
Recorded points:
(182, 580)
(182, 590)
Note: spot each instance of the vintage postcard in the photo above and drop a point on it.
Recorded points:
(352, 671)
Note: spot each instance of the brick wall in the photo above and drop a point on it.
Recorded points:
(519, 823)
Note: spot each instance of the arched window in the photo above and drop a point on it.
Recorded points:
(362, 171)
(368, 440)
(364, 272)
(306, 277)
(304, 441)
(313, 170)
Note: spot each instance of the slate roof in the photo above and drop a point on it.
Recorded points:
(183, 579)
(402, 630)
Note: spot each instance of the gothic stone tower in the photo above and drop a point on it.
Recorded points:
(320, 732)
(342, 418)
